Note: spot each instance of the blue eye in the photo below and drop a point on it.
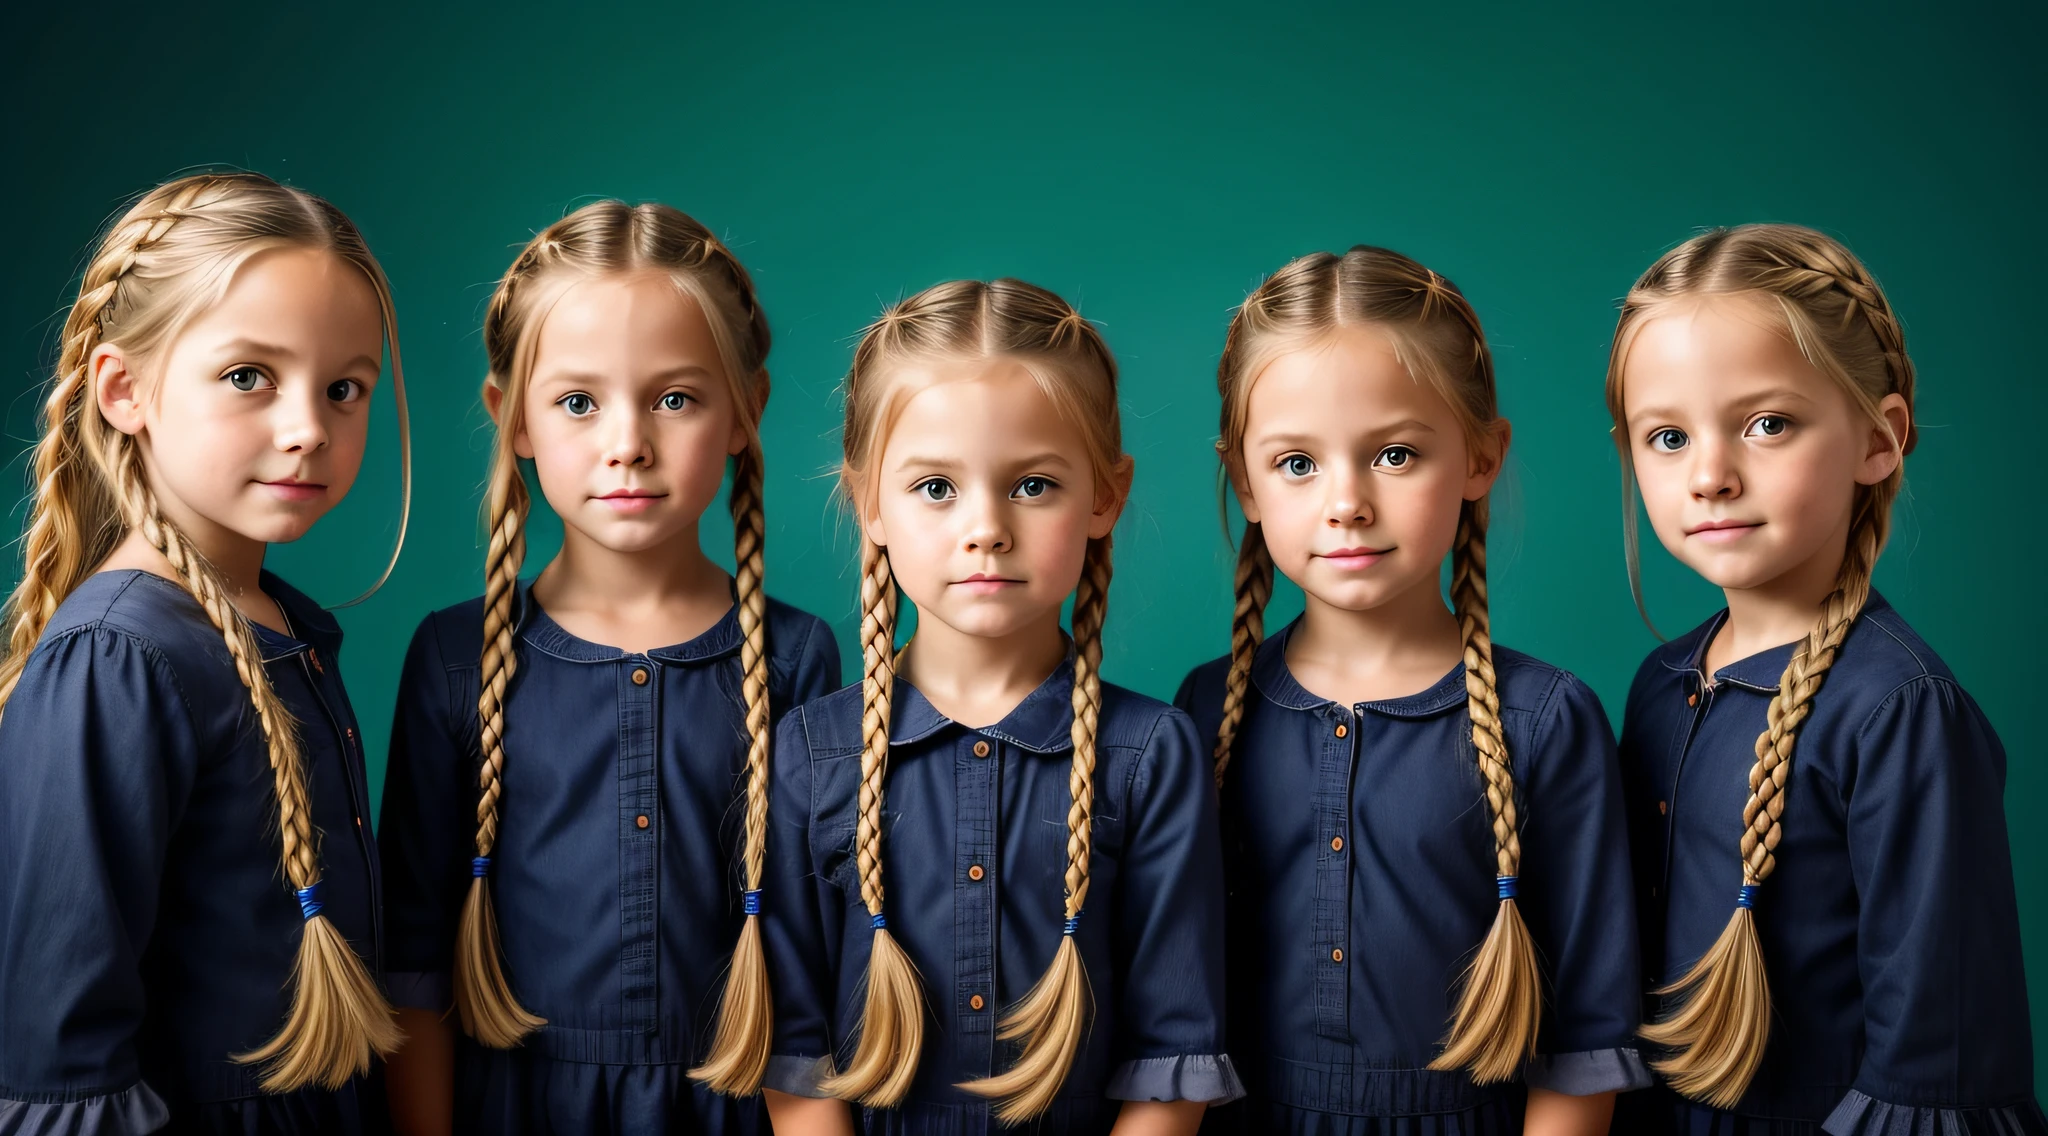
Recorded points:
(578, 405)
(1296, 465)
(1768, 426)
(934, 489)
(1396, 457)
(248, 379)
(674, 400)
(1033, 487)
(1668, 440)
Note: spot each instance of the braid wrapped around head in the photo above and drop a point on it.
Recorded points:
(165, 261)
(1834, 311)
(1437, 335)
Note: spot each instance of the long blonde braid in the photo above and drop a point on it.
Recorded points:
(1834, 311)
(164, 261)
(1251, 590)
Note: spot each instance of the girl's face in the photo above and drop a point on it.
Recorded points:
(985, 498)
(256, 417)
(1355, 471)
(629, 417)
(1748, 457)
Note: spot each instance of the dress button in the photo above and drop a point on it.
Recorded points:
(981, 749)
(1336, 844)
(1663, 807)
(1692, 699)
(1342, 729)
(1337, 955)
(975, 872)
(976, 1002)
(641, 821)
(639, 676)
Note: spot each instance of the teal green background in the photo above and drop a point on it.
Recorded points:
(1151, 166)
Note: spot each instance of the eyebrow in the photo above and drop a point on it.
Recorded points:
(1303, 439)
(1773, 394)
(1049, 457)
(249, 347)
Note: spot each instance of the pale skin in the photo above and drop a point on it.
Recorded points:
(629, 418)
(1356, 472)
(251, 420)
(986, 500)
(1749, 459)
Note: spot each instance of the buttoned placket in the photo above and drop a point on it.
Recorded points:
(1336, 760)
(639, 683)
(977, 774)
(358, 803)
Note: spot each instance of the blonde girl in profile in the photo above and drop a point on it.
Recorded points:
(1430, 921)
(996, 888)
(189, 931)
(577, 810)
(1829, 926)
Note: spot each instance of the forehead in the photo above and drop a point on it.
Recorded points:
(1709, 349)
(642, 316)
(1349, 380)
(975, 410)
(309, 300)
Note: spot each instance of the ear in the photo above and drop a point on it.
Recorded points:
(1887, 444)
(1487, 457)
(1240, 483)
(1109, 504)
(117, 389)
(494, 405)
(756, 406)
(866, 511)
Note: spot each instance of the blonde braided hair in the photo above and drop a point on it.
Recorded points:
(1834, 311)
(1437, 336)
(974, 320)
(167, 259)
(601, 239)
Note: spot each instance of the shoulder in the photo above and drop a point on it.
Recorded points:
(1203, 687)
(1135, 721)
(794, 633)
(454, 635)
(1884, 653)
(142, 610)
(827, 726)
(1529, 684)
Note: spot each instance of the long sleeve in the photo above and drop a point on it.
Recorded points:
(1946, 1035)
(427, 829)
(1168, 934)
(803, 916)
(98, 755)
(1577, 897)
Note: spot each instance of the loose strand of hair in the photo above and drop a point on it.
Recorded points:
(744, 1036)
(1052, 1017)
(1500, 1006)
(891, 1031)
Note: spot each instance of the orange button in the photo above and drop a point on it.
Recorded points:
(1337, 955)
(1336, 844)
(975, 872)
(976, 1002)
(1341, 730)
(981, 749)
(1663, 807)
(641, 821)
(1692, 699)
(639, 676)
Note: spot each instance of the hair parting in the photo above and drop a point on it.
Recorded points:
(1719, 1020)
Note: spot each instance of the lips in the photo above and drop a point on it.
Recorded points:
(1723, 530)
(293, 489)
(1354, 558)
(985, 584)
(629, 500)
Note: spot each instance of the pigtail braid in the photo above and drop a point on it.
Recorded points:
(1253, 588)
(490, 1012)
(740, 1047)
(1051, 1018)
(892, 1022)
(1493, 1031)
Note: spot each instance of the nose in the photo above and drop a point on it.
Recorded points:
(299, 423)
(988, 528)
(1345, 504)
(1713, 475)
(630, 444)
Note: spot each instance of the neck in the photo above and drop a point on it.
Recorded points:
(976, 680)
(1781, 610)
(1395, 648)
(587, 576)
(237, 559)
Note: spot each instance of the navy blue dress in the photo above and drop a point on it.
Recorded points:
(145, 931)
(974, 860)
(1890, 930)
(1360, 858)
(616, 872)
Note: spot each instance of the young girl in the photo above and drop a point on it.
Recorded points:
(1763, 404)
(1423, 831)
(190, 924)
(982, 820)
(579, 766)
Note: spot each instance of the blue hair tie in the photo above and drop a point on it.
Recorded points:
(1073, 921)
(1505, 885)
(480, 867)
(750, 902)
(309, 901)
(879, 921)
(1746, 898)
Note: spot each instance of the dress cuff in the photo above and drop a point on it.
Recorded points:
(421, 990)
(1586, 1073)
(1861, 1115)
(1188, 1077)
(130, 1112)
(798, 1076)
